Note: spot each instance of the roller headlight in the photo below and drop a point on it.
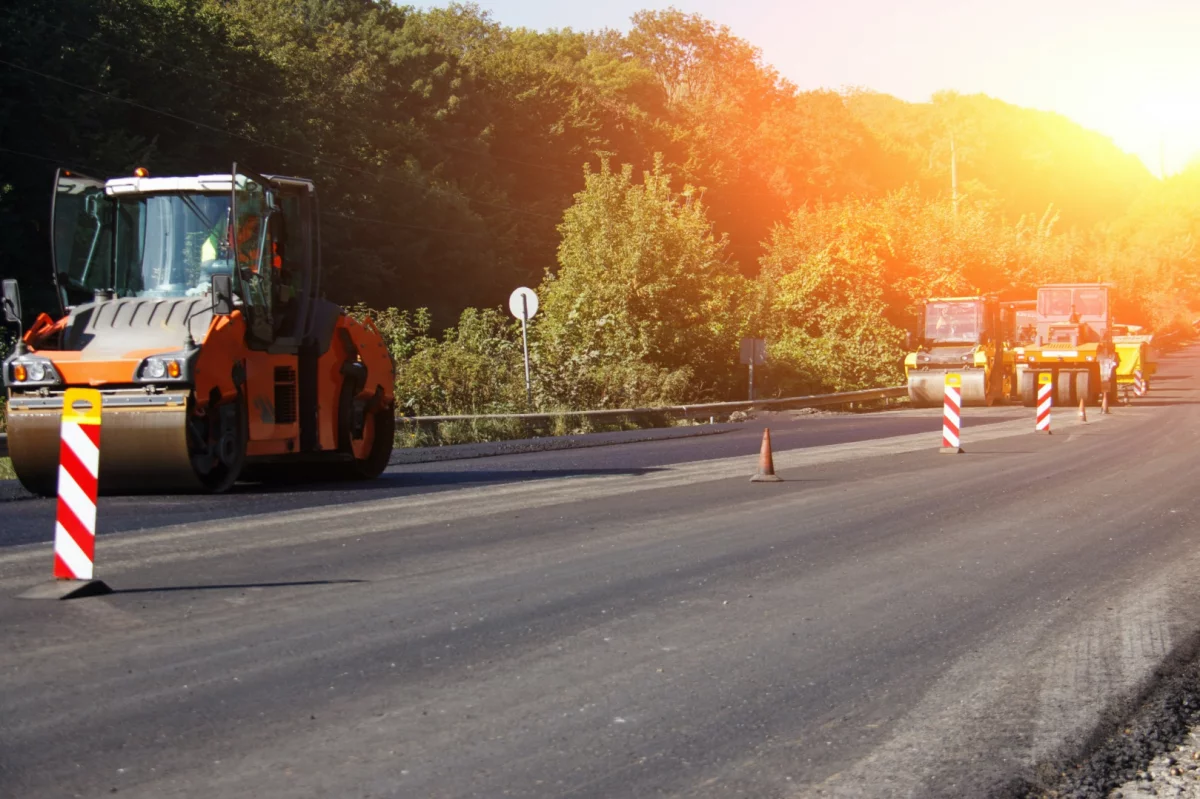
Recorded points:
(31, 371)
(161, 368)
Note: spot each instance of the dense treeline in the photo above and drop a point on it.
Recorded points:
(665, 187)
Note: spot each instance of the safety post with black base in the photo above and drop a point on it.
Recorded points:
(78, 487)
(952, 415)
(1045, 402)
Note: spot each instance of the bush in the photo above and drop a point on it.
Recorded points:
(477, 367)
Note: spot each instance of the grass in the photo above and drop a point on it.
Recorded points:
(483, 430)
(6, 469)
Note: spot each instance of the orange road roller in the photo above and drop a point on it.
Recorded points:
(193, 305)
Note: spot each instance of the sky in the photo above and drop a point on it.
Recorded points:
(1130, 70)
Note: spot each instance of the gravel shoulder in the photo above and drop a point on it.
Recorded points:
(1148, 748)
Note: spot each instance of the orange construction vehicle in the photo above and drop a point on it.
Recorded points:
(193, 305)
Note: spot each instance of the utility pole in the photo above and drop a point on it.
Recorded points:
(953, 175)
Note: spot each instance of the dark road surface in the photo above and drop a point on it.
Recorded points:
(33, 519)
(631, 620)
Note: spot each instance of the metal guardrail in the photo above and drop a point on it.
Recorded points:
(675, 411)
(678, 411)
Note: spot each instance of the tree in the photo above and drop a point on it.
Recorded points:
(642, 288)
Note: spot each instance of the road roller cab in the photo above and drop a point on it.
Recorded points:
(1074, 344)
(193, 304)
(965, 336)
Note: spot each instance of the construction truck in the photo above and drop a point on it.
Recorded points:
(965, 336)
(193, 305)
(1073, 344)
(1135, 354)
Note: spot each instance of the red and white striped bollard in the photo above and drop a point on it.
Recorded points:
(952, 415)
(78, 487)
(1045, 401)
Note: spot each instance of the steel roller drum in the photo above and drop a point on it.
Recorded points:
(142, 449)
(927, 388)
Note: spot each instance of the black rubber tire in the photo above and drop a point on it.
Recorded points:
(222, 478)
(1083, 388)
(1027, 387)
(376, 461)
(1064, 389)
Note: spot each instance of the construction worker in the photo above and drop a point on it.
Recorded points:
(943, 326)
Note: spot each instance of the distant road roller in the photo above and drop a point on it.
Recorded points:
(1135, 353)
(1074, 344)
(193, 304)
(964, 335)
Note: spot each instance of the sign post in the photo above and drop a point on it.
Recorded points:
(753, 351)
(523, 304)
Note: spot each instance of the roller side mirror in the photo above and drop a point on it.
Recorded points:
(11, 298)
(222, 294)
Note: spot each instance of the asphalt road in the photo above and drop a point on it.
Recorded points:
(633, 620)
(33, 519)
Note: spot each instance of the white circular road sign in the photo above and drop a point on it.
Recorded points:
(530, 304)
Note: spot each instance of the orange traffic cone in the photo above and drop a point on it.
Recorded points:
(1082, 411)
(766, 465)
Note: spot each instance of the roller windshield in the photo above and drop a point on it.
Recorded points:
(139, 245)
(1060, 303)
(952, 322)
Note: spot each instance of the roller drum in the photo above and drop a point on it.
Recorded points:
(142, 450)
(927, 388)
(975, 389)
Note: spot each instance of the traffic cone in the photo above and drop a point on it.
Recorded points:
(766, 465)
(1082, 411)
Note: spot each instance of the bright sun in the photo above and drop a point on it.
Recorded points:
(1159, 124)
(1135, 79)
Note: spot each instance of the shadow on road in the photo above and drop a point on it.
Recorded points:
(397, 479)
(231, 587)
(1161, 403)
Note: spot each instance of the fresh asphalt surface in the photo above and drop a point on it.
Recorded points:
(33, 519)
(630, 620)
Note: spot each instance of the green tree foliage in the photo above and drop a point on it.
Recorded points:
(448, 148)
(1019, 159)
(639, 304)
(1153, 253)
